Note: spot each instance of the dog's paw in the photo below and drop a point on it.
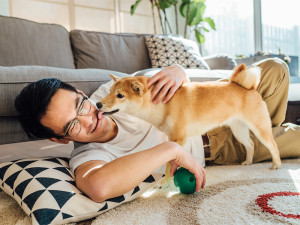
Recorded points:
(246, 162)
(275, 166)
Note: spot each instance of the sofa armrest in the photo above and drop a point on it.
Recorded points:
(220, 62)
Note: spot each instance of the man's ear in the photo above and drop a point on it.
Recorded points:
(60, 141)
(138, 87)
(115, 78)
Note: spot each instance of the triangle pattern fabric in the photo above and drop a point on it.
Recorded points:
(149, 179)
(3, 171)
(32, 198)
(61, 197)
(167, 50)
(118, 199)
(11, 180)
(35, 170)
(136, 189)
(66, 216)
(63, 170)
(47, 182)
(49, 195)
(45, 216)
(21, 187)
(103, 208)
(55, 160)
(23, 164)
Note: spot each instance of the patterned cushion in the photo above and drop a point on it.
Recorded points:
(168, 50)
(46, 191)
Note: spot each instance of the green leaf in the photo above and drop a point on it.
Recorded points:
(210, 22)
(133, 7)
(200, 38)
(205, 29)
(183, 9)
(199, 14)
(192, 13)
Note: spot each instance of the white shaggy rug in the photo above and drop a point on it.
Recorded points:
(233, 195)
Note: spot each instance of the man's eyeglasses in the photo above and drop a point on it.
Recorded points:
(74, 128)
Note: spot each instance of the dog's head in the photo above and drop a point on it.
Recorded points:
(125, 95)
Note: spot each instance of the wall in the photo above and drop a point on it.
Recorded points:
(97, 15)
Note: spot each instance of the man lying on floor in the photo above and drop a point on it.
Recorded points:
(109, 149)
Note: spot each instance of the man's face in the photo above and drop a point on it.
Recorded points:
(62, 110)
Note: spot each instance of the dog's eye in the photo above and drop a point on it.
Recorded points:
(120, 96)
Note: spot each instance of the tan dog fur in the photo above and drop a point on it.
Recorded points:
(198, 107)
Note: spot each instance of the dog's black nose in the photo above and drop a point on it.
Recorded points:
(99, 105)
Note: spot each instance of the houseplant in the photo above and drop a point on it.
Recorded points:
(192, 11)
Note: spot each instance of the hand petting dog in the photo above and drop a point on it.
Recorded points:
(168, 81)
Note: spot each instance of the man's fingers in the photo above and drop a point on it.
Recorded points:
(162, 93)
(204, 178)
(153, 79)
(170, 94)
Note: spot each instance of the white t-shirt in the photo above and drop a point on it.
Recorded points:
(134, 135)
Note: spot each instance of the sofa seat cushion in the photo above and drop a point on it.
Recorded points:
(45, 189)
(194, 75)
(24, 42)
(126, 53)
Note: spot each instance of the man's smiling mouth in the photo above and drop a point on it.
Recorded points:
(99, 118)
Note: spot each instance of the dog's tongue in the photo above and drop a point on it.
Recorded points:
(100, 116)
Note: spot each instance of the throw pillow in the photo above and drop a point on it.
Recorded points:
(168, 50)
(46, 191)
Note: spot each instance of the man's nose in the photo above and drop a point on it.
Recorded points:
(99, 105)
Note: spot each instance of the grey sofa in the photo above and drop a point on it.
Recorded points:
(30, 51)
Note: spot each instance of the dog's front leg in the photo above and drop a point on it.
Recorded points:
(166, 181)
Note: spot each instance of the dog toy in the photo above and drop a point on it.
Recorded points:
(185, 181)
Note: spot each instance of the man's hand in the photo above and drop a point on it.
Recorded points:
(188, 161)
(168, 81)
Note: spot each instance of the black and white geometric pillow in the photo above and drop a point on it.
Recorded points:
(46, 191)
(168, 50)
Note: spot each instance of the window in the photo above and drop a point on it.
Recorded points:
(234, 33)
(280, 30)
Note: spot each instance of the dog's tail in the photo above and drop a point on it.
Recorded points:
(246, 77)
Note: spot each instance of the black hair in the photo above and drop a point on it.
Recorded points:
(32, 104)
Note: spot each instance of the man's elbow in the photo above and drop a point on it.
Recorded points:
(94, 187)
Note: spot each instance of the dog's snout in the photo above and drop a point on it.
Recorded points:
(99, 105)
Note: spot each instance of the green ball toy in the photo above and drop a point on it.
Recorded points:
(185, 181)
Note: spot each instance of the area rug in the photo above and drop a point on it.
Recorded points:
(233, 195)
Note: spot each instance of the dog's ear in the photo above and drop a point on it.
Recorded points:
(115, 78)
(138, 87)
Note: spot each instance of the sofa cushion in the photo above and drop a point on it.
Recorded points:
(120, 52)
(45, 189)
(194, 75)
(14, 79)
(23, 42)
(168, 50)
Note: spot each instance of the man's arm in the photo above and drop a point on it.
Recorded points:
(101, 181)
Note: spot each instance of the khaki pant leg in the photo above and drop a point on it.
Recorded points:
(273, 87)
(287, 138)
(230, 151)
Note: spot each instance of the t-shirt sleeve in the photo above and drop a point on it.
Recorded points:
(86, 153)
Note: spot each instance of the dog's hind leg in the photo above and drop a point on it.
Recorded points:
(241, 132)
(263, 131)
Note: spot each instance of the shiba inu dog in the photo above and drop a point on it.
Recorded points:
(198, 107)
